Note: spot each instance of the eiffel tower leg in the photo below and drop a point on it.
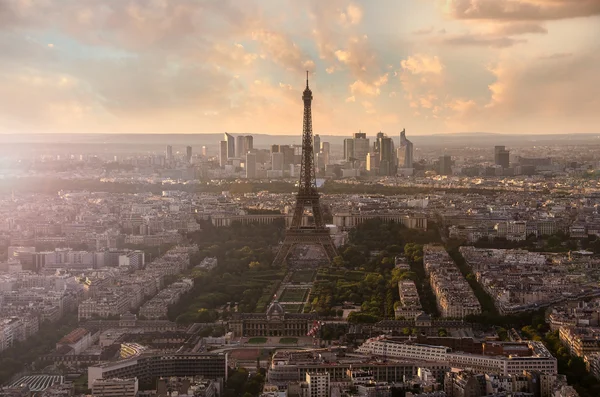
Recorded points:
(330, 250)
(283, 253)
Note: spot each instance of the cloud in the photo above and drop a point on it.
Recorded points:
(558, 55)
(516, 28)
(372, 89)
(282, 50)
(423, 32)
(231, 56)
(564, 93)
(422, 64)
(352, 15)
(522, 10)
(369, 108)
(482, 40)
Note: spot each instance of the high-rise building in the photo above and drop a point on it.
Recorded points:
(361, 146)
(501, 156)
(325, 151)
(384, 148)
(249, 143)
(169, 153)
(405, 152)
(240, 143)
(188, 154)
(317, 144)
(204, 151)
(371, 162)
(445, 165)
(222, 153)
(274, 148)
(349, 149)
(230, 145)
(250, 165)
(288, 154)
(277, 161)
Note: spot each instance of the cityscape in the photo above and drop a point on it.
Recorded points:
(173, 223)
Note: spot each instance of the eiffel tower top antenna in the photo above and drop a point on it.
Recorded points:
(307, 79)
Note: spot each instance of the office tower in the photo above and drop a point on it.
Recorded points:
(169, 153)
(376, 145)
(203, 151)
(372, 162)
(249, 143)
(274, 148)
(501, 156)
(250, 165)
(222, 153)
(349, 149)
(188, 154)
(325, 151)
(240, 142)
(288, 155)
(316, 144)
(406, 151)
(277, 161)
(445, 165)
(230, 145)
(384, 148)
(361, 146)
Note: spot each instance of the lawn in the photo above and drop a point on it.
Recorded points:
(257, 340)
(293, 295)
(293, 308)
(302, 276)
(288, 341)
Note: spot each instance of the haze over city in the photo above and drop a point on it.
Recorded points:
(191, 66)
(299, 198)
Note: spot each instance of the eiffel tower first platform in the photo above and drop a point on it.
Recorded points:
(308, 197)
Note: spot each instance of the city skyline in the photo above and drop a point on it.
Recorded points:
(431, 67)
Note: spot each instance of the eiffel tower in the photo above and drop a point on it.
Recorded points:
(307, 197)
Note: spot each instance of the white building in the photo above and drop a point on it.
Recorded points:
(318, 384)
(115, 387)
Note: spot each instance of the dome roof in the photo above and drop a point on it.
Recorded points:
(275, 310)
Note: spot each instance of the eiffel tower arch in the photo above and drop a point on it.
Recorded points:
(307, 198)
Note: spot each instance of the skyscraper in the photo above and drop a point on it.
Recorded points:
(349, 149)
(240, 142)
(277, 161)
(384, 149)
(188, 154)
(316, 144)
(501, 156)
(203, 151)
(250, 165)
(222, 153)
(445, 165)
(406, 150)
(169, 153)
(325, 151)
(361, 146)
(230, 145)
(249, 143)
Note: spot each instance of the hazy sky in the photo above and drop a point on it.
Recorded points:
(430, 66)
